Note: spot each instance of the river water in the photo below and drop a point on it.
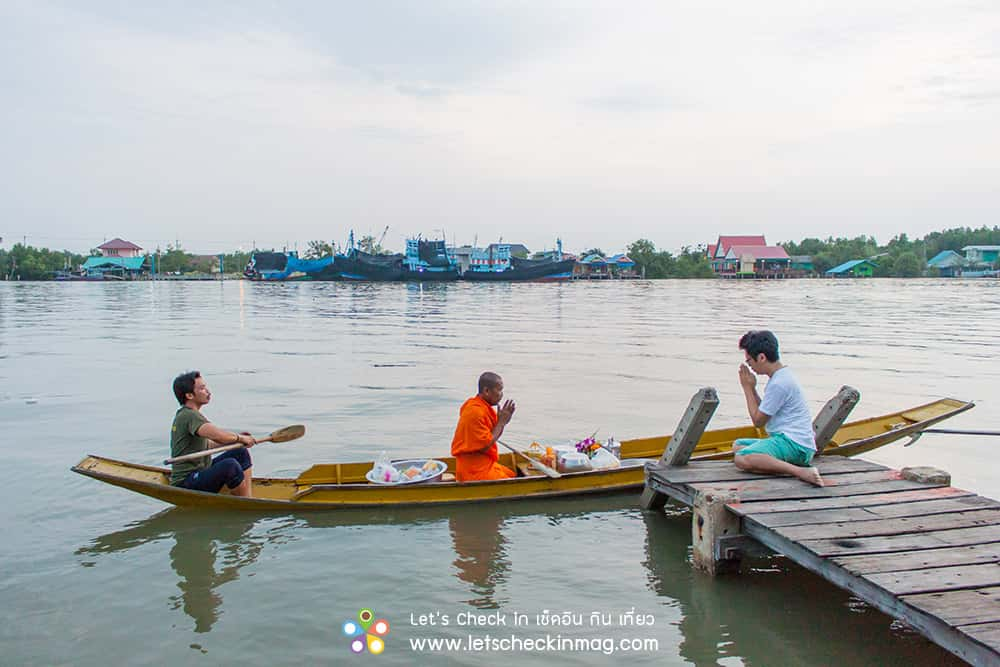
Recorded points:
(90, 573)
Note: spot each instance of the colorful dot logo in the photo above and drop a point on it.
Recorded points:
(367, 633)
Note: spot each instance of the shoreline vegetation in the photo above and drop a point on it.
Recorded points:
(901, 257)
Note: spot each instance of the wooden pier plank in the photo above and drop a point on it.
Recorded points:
(918, 560)
(908, 509)
(893, 526)
(927, 554)
(987, 633)
(938, 579)
(906, 542)
(960, 607)
(793, 489)
(730, 473)
(976, 652)
(836, 502)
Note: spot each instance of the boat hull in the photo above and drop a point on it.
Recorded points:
(343, 485)
(540, 272)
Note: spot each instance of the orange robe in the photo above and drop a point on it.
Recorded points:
(473, 447)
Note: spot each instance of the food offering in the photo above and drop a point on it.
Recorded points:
(408, 471)
(580, 456)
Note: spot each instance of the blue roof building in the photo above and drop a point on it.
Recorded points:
(856, 268)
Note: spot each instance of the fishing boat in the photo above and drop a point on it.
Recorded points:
(344, 485)
(428, 261)
(281, 266)
(495, 263)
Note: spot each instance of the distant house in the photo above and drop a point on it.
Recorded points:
(802, 264)
(754, 261)
(119, 260)
(115, 268)
(593, 266)
(981, 255)
(948, 263)
(621, 266)
(717, 251)
(856, 268)
(117, 247)
(495, 254)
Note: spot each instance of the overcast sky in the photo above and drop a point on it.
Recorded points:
(224, 123)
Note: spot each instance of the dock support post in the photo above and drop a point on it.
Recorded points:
(711, 523)
(833, 415)
(685, 439)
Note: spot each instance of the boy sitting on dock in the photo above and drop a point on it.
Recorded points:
(790, 445)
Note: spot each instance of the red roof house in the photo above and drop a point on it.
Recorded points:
(117, 247)
(727, 242)
(757, 252)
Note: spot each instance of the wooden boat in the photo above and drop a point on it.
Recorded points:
(343, 485)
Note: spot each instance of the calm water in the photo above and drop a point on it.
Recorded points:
(90, 573)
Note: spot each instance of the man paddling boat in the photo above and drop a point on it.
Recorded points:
(480, 425)
(191, 432)
(790, 445)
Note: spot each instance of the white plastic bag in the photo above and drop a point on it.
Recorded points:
(603, 459)
(383, 470)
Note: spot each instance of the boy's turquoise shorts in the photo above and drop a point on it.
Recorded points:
(778, 446)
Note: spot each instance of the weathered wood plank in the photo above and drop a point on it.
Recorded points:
(728, 473)
(893, 526)
(937, 579)
(972, 650)
(834, 502)
(987, 633)
(924, 508)
(792, 489)
(925, 558)
(960, 607)
(907, 542)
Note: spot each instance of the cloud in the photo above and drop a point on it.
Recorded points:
(600, 124)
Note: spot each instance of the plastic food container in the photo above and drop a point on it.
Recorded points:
(431, 470)
(572, 462)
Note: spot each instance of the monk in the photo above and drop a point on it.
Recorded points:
(480, 425)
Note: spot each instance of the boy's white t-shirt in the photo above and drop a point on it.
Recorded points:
(786, 406)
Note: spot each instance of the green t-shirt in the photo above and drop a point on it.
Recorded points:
(184, 439)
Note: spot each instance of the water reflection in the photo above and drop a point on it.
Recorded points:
(773, 613)
(480, 547)
(209, 550)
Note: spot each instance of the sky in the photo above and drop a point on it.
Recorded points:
(228, 125)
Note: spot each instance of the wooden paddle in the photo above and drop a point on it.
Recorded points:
(537, 464)
(285, 434)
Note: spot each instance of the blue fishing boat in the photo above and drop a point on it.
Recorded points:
(495, 263)
(429, 261)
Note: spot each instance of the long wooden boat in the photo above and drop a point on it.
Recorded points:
(343, 485)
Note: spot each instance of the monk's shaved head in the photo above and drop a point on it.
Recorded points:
(489, 381)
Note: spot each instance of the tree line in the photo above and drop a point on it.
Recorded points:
(900, 257)
(25, 262)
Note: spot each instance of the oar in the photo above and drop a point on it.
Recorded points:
(285, 434)
(535, 462)
(956, 431)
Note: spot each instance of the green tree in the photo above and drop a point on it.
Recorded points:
(594, 251)
(235, 262)
(692, 263)
(318, 249)
(907, 265)
(26, 262)
(174, 260)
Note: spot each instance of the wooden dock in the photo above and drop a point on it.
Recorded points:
(925, 553)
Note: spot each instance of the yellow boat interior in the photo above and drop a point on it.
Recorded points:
(341, 485)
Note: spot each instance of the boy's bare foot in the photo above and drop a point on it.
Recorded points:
(812, 476)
